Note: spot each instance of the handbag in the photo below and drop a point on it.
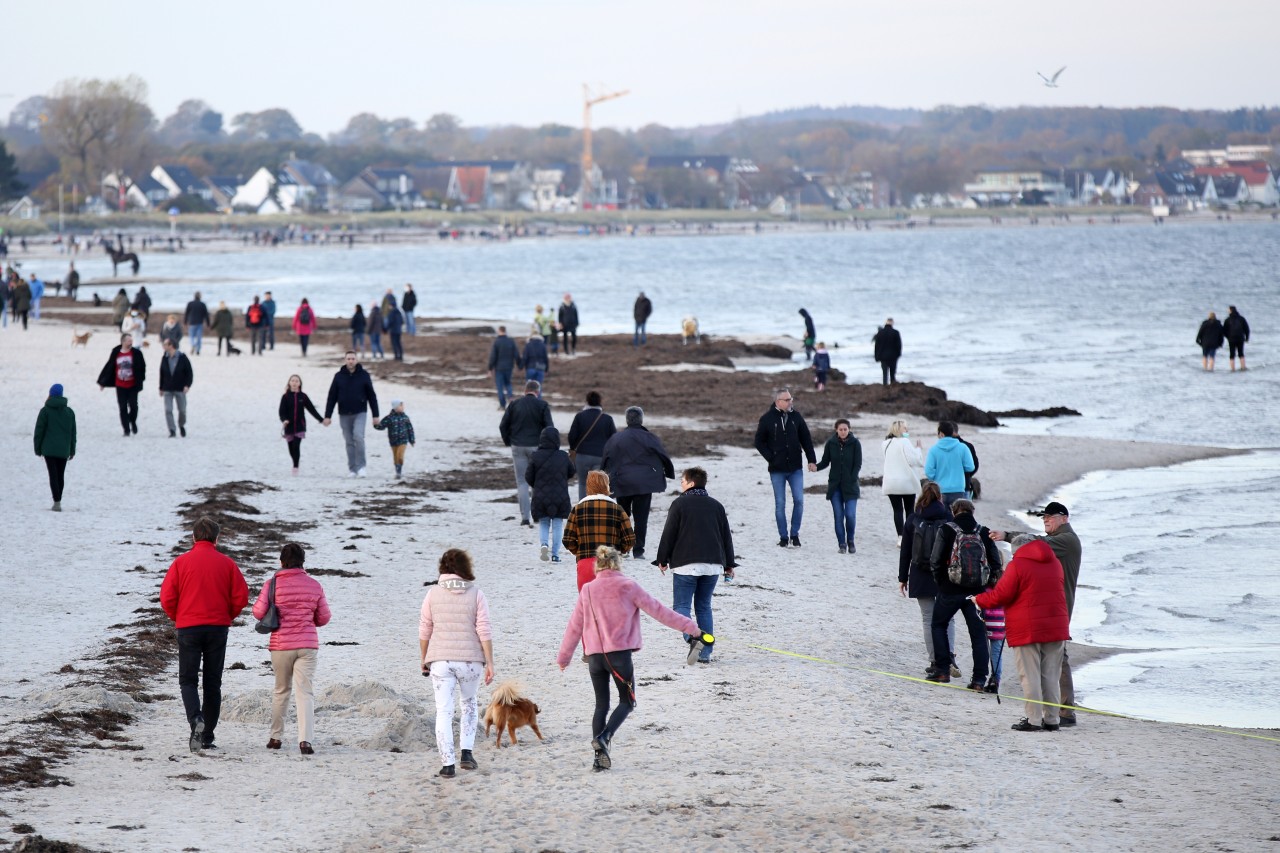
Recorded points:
(573, 453)
(270, 621)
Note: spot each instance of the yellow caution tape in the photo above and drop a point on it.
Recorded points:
(899, 675)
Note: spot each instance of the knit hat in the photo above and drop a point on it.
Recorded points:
(1055, 508)
(395, 403)
(55, 390)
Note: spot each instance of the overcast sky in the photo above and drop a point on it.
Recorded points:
(685, 63)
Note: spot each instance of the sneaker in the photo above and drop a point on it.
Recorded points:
(182, 431)
(1049, 727)
(57, 506)
(351, 475)
(305, 748)
(852, 549)
(447, 771)
(545, 553)
(134, 427)
(783, 542)
(468, 761)
(938, 678)
(172, 434)
(295, 472)
(795, 541)
(843, 550)
(197, 734)
(1024, 726)
(601, 746)
(526, 523)
(555, 559)
(361, 473)
(273, 743)
(955, 670)
(637, 555)
(1067, 722)
(976, 687)
(208, 744)
(992, 687)
(695, 650)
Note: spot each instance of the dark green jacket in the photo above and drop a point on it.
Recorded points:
(56, 429)
(845, 461)
(222, 323)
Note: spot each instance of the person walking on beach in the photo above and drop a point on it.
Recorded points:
(915, 578)
(408, 305)
(972, 489)
(142, 304)
(21, 301)
(964, 562)
(888, 349)
(1061, 537)
(902, 471)
(590, 430)
(1209, 337)
(521, 429)
(535, 360)
(300, 602)
(73, 281)
(1037, 626)
(821, 367)
(269, 319)
(375, 333)
(948, 462)
(294, 405)
(203, 592)
(545, 324)
(697, 546)
(171, 331)
(304, 324)
(503, 359)
(359, 325)
(606, 620)
(55, 441)
(548, 475)
(399, 433)
(255, 319)
(393, 322)
(568, 317)
(638, 466)
(126, 371)
(782, 438)
(455, 641)
(134, 326)
(1236, 330)
(351, 392)
(176, 376)
(119, 307)
(224, 327)
(642, 311)
(810, 335)
(596, 520)
(843, 453)
(196, 316)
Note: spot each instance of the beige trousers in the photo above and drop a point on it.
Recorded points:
(294, 669)
(1040, 667)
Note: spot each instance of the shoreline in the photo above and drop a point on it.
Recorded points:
(748, 735)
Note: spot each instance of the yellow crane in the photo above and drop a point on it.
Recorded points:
(589, 101)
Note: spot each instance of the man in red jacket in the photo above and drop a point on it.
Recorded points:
(203, 593)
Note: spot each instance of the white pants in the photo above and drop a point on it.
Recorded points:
(294, 669)
(446, 677)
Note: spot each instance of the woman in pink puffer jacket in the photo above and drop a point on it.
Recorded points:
(302, 606)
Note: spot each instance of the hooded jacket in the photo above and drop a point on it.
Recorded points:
(606, 617)
(302, 606)
(454, 621)
(56, 429)
(636, 462)
(548, 474)
(845, 459)
(305, 328)
(782, 438)
(351, 391)
(941, 556)
(1030, 591)
(947, 463)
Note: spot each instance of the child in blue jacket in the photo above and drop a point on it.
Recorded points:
(399, 432)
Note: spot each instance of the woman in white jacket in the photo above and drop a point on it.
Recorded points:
(903, 469)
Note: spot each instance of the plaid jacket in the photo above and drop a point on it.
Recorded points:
(597, 520)
(399, 428)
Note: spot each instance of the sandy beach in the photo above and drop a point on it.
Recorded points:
(761, 750)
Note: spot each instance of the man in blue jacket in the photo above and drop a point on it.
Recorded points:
(781, 437)
(269, 307)
(504, 357)
(948, 462)
(351, 392)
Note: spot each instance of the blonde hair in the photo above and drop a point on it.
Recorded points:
(897, 428)
(597, 483)
(608, 559)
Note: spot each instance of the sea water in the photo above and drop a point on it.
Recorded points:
(1098, 318)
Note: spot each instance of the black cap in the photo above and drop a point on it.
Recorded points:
(1055, 508)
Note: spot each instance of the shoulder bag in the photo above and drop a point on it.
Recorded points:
(270, 621)
(573, 453)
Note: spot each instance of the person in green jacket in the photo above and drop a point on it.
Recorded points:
(55, 440)
(223, 325)
(843, 453)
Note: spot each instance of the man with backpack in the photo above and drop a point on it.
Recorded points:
(964, 563)
(255, 318)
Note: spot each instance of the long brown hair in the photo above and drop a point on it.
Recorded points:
(930, 493)
(293, 376)
(455, 561)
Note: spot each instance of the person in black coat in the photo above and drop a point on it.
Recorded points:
(521, 429)
(359, 324)
(408, 305)
(126, 371)
(294, 405)
(915, 578)
(1236, 329)
(504, 357)
(196, 316)
(548, 474)
(568, 319)
(1210, 339)
(393, 321)
(888, 345)
(810, 335)
(954, 597)
(781, 437)
(642, 310)
(590, 431)
(176, 377)
(638, 466)
(351, 392)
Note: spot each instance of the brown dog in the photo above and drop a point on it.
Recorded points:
(509, 710)
(80, 340)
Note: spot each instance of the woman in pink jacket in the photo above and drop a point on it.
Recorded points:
(300, 600)
(304, 324)
(607, 621)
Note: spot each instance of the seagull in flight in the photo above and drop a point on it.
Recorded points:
(1052, 82)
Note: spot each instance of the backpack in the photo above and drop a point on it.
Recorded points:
(304, 316)
(255, 314)
(922, 543)
(968, 566)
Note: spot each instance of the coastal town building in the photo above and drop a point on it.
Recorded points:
(1004, 187)
(728, 176)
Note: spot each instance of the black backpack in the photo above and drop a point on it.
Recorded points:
(922, 543)
(304, 316)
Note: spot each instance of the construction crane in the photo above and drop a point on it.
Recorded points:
(589, 101)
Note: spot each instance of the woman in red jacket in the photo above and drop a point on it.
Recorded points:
(300, 600)
(1036, 627)
(304, 324)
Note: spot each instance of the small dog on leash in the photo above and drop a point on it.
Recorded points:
(78, 340)
(509, 710)
(232, 350)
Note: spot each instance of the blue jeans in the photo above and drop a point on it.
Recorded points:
(271, 331)
(640, 337)
(502, 381)
(846, 516)
(950, 497)
(537, 375)
(375, 344)
(357, 342)
(997, 653)
(780, 482)
(410, 326)
(551, 532)
(695, 590)
(196, 331)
